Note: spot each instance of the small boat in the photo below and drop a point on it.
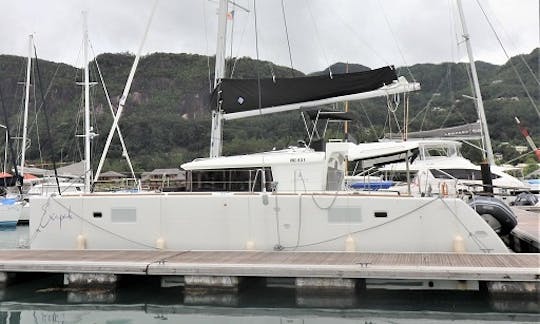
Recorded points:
(526, 199)
(10, 211)
(496, 213)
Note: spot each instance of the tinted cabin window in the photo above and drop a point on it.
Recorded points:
(243, 180)
(461, 174)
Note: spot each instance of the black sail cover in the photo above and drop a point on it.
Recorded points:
(237, 95)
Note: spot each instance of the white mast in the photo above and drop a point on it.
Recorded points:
(125, 94)
(26, 101)
(216, 137)
(488, 150)
(87, 135)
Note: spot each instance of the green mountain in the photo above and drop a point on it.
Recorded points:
(167, 115)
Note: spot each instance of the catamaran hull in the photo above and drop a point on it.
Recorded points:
(259, 221)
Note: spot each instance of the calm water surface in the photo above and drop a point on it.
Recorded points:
(43, 299)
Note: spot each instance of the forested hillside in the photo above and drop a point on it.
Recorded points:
(167, 115)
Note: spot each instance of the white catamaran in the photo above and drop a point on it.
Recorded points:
(292, 199)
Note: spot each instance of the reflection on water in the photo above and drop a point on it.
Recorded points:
(13, 237)
(45, 301)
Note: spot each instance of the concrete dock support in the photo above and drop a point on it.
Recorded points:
(212, 290)
(90, 280)
(509, 287)
(6, 278)
(325, 283)
(326, 292)
(91, 287)
(227, 283)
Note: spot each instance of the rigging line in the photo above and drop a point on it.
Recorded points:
(120, 136)
(76, 143)
(83, 220)
(392, 111)
(369, 119)
(237, 58)
(512, 64)
(318, 37)
(452, 23)
(10, 145)
(471, 234)
(231, 15)
(47, 124)
(453, 106)
(395, 41)
(19, 124)
(475, 103)
(519, 157)
(124, 96)
(428, 104)
(35, 119)
(502, 45)
(287, 34)
(257, 54)
(210, 89)
(365, 229)
(353, 32)
(38, 109)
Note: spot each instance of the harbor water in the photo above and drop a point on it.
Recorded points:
(43, 299)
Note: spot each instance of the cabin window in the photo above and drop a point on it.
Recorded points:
(239, 180)
(461, 174)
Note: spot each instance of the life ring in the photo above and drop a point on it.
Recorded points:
(496, 213)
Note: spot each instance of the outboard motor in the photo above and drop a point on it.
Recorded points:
(495, 212)
(525, 199)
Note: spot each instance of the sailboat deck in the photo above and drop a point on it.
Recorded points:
(444, 266)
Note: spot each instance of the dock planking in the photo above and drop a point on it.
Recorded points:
(526, 236)
(528, 222)
(430, 266)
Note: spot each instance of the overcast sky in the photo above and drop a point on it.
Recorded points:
(321, 32)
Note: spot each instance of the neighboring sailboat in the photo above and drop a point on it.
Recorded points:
(15, 210)
(292, 199)
(447, 168)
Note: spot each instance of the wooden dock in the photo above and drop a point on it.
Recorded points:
(239, 264)
(526, 236)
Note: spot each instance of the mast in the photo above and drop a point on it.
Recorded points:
(125, 93)
(486, 140)
(216, 136)
(26, 101)
(87, 135)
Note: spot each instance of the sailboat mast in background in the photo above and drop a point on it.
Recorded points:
(26, 102)
(87, 162)
(486, 140)
(216, 136)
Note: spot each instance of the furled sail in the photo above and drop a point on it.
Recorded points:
(243, 95)
(462, 132)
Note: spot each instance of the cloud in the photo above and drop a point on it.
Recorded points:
(369, 32)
